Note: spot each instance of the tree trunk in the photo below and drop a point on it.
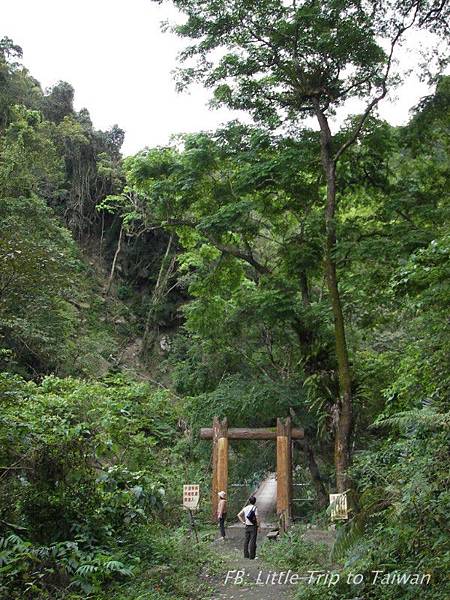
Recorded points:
(343, 421)
(113, 266)
(159, 292)
(313, 468)
(306, 298)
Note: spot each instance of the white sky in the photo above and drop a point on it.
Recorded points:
(120, 65)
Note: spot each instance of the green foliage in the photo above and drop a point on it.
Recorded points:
(178, 568)
(260, 399)
(38, 261)
(30, 569)
(404, 503)
(50, 303)
(58, 102)
(281, 61)
(17, 87)
(247, 257)
(47, 148)
(294, 551)
(29, 162)
(80, 467)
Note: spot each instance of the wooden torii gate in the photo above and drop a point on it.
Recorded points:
(283, 433)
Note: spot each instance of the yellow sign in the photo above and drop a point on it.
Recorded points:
(191, 496)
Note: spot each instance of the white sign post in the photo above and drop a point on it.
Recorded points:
(191, 498)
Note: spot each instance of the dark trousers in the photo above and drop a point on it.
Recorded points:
(251, 531)
(222, 524)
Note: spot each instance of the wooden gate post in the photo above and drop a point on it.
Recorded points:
(284, 472)
(219, 462)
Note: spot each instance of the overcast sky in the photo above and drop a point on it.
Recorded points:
(120, 65)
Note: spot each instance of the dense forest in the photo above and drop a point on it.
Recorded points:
(257, 271)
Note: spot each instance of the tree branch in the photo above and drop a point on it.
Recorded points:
(352, 139)
(238, 253)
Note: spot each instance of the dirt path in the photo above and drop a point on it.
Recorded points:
(244, 578)
(254, 579)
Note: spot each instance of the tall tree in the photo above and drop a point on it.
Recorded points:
(285, 60)
(58, 102)
(248, 231)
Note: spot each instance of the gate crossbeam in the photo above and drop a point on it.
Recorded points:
(236, 433)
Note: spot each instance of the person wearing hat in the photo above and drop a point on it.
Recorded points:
(222, 513)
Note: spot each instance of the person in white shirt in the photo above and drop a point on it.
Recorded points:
(249, 517)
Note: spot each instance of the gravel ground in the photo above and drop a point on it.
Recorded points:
(244, 578)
